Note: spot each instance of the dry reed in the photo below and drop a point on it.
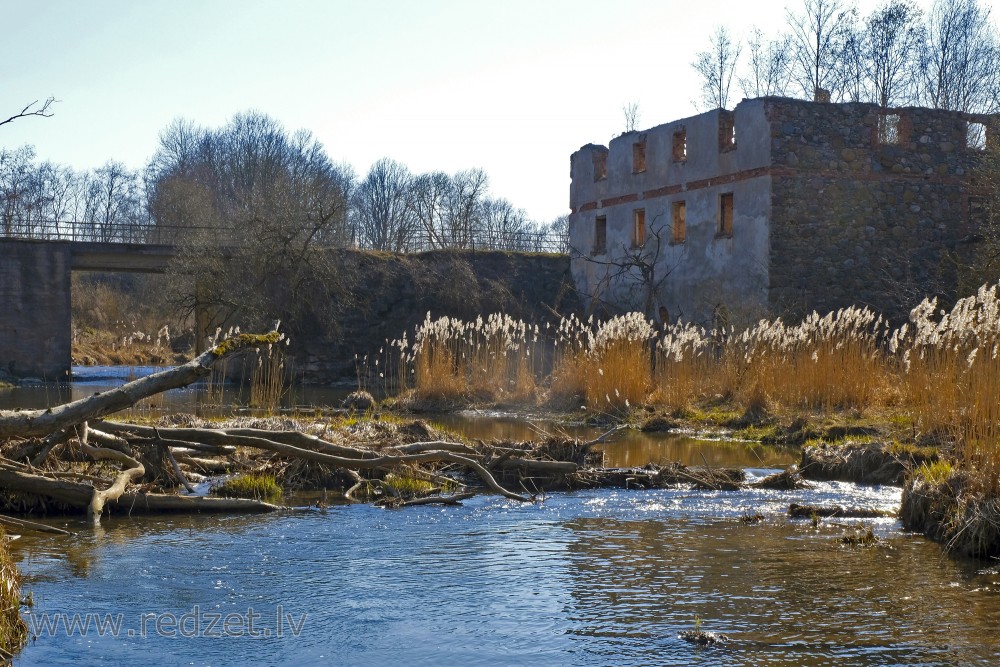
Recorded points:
(941, 369)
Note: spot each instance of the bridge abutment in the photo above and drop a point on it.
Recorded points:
(35, 309)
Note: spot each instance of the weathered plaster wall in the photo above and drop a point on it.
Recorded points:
(35, 315)
(708, 270)
(859, 221)
(828, 211)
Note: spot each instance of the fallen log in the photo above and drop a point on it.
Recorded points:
(80, 496)
(24, 524)
(165, 502)
(371, 460)
(224, 440)
(34, 423)
(798, 511)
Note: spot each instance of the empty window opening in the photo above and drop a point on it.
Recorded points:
(888, 128)
(639, 157)
(638, 227)
(678, 215)
(727, 131)
(726, 214)
(680, 146)
(978, 214)
(975, 136)
(664, 316)
(600, 166)
(600, 235)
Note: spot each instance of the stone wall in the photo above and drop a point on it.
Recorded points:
(862, 215)
(392, 294)
(35, 319)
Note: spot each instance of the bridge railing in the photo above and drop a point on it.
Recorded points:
(157, 234)
(133, 233)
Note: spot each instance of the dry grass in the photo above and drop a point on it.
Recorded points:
(940, 372)
(117, 324)
(13, 629)
(268, 377)
(496, 359)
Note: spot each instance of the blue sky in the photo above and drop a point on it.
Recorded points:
(513, 87)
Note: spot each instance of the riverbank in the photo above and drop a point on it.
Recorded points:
(98, 347)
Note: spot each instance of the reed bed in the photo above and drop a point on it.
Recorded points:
(268, 377)
(498, 359)
(940, 370)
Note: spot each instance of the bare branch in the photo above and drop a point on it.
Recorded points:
(631, 111)
(33, 110)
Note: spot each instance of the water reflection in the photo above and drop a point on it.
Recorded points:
(626, 448)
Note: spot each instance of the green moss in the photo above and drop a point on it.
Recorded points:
(245, 340)
(840, 442)
(901, 420)
(405, 486)
(914, 451)
(715, 415)
(250, 485)
(935, 473)
(758, 433)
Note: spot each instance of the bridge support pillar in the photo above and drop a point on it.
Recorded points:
(35, 309)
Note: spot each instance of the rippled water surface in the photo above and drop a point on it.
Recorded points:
(590, 578)
(587, 578)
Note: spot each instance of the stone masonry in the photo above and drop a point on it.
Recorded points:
(779, 207)
(35, 322)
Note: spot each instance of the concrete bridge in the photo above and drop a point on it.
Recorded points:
(35, 297)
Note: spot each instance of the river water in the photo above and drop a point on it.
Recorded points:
(599, 577)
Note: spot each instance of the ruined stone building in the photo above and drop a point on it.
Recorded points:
(780, 206)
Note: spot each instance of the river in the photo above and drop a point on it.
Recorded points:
(586, 578)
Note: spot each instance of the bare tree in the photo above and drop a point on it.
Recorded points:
(504, 227)
(638, 271)
(769, 66)
(39, 200)
(464, 207)
(631, 113)
(716, 67)
(382, 213)
(889, 50)
(960, 59)
(33, 109)
(16, 174)
(819, 33)
(113, 206)
(428, 197)
(853, 78)
(557, 234)
(262, 206)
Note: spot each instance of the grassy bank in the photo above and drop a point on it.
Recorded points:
(110, 347)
